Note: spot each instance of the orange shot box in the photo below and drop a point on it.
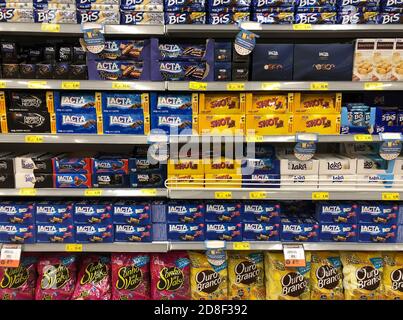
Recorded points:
(221, 165)
(223, 180)
(268, 103)
(222, 103)
(222, 124)
(316, 103)
(185, 166)
(186, 181)
(317, 123)
(269, 124)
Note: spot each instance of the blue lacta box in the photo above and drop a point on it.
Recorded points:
(223, 212)
(337, 213)
(224, 231)
(17, 233)
(131, 233)
(17, 212)
(336, 232)
(129, 212)
(185, 212)
(261, 231)
(379, 213)
(377, 233)
(264, 212)
(55, 233)
(94, 233)
(185, 232)
(54, 212)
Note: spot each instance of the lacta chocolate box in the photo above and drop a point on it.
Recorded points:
(72, 180)
(117, 102)
(27, 122)
(261, 212)
(76, 102)
(118, 70)
(85, 123)
(295, 230)
(262, 166)
(123, 50)
(93, 212)
(185, 212)
(54, 212)
(131, 233)
(17, 212)
(272, 62)
(224, 212)
(173, 123)
(224, 231)
(34, 180)
(55, 233)
(162, 103)
(35, 163)
(338, 232)
(377, 233)
(260, 232)
(332, 62)
(337, 213)
(261, 180)
(144, 165)
(94, 233)
(378, 213)
(18, 234)
(182, 70)
(147, 180)
(185, 232)
(125, 123)
(130, 212)
(67, 164)
(110, 180)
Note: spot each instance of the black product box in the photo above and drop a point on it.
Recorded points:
(222, 51)
(147, 180)
(27, 122)
(10, 70)
(272, 62)
(110, 180)
(62, 70)
(6, 163)
(7, 181)
(330, 62)
(236, 57)
(43, 163)
(26, 101)
(27, 70)
(45, 71)
(222, 71)
(240, 71)
(78, 72)
(9, 52)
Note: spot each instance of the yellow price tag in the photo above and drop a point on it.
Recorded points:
(37, 84)
(257, 195)
(390, 196)
(271, 86)
(50, 27)
(320, 195)
(121, 86)
(362, 137)
(30, 192)
(254, 138)
(319, 86)
(302, 26)
(193, 85)
(241, 246)
(34, 139)
(236, 86)
(223, 195)
(3, 84)
(74, 247)
(93, 192)
(70, 85)
(148, 192)
(373, 86)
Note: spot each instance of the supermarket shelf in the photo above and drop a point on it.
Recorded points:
(67, 192)
(82, 84)
(75, 29)
(99, 247)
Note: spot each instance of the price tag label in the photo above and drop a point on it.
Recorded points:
(320, 195)
(302, 26)
(74, 247)
(71, 85)
(390, 196)
(236, 86)
(193, 85)
(319, 86)
(257, 195)
(93, 192)
(37, 84)
(28, 192)
(214, 244)
(241, 246)
(373, 86)
(10, 255)
(254, 138)
(3, 84)
(148, 192)
(294, 255)
(223, 195)
(121, 86)
(34, 139)
(271, 86)
(50, 27)
(363, 137)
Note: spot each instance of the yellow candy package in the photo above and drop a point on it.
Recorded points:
(246, 276)
(326, 276)
(393, 276)
(286, 283)
(208, 275)
(363, 272)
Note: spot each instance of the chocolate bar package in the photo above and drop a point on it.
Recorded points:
(9, 52)
(182, 51)
(273, 17)
(147, 180)
(27, 122)
(76, 123)
(131, 212)
(16, 15)
(55, 16)
(142, 5)
(7, 163)
(185, 232)
(223, 71)
(298, 230)
(18, 234)
(315, 3)
(181, 70)
(131, 233)
(7, 181)
(54, 212)
(105, 164)
(381, 213)
(44, 5)
(123, 50)
(118, 70)
(94, 233)
(125, 123)
(222, 51)
(321, 9)
(72, 180)
(358, 18)
(169, 103)
(110, 180)
(359, 3)
(78, 71)
(262, 5)
(71, 165)
(224, 231)
(185, 17)
(316, 18)
(172, 124)
(93, 212)
(19, 101)
(10, 70)
(224, 212)
(266, 166)
(338, 232)
(17, 212)
(228, 5)
(240, 71)
(34, 180)
(228, 17)
(337, 213)
(261, 212)
(98, 16)
(74, 102)
(253, 231)
(391, 3)
(261, 180)
(116, 102)
(185, 212)
(55, 233)
(44, 70)
(323, 62)
(141, 18)
(87, 4)
(377, 233)
(184, 5)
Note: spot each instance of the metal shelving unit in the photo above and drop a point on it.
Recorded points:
(99, 247)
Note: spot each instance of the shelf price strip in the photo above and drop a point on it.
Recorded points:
(10, 255)
(257, 195)
(70, 85)
(92, 192)
(320, 195)
(74, 247)
(148, 192)
(241, 246)
(223, 195)
(50, 27)
(363, 138)
(121, 86)
(373, 86)
(28, 192)
(254, 138)
(271, 86)
(390, 196)
(193, 85)
(37, 84)
(302, 26)
(294, 255)
(3, 85)
(33, 139)
(319, 86)
(236, 86)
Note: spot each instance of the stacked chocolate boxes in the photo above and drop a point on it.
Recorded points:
(316, 12)
(185, 11)
(228, 12)
(228, 64)
(99, 11)
(55, 11)
(273, 11)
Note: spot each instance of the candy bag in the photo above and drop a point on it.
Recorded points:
(393, 275)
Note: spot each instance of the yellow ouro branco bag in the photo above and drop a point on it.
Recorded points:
(246, 276)
(286, 283)
(393, 275)
(362, 272)
(326, 276)
(208, 275)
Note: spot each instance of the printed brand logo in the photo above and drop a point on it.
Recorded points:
(171, 279)
(292, 228)
(178, 228)
(55, 277)
(14, 278)
(261, 177)
(125, 228)
(8, 210)
(323, 121)
(272, 53)
(208, 281)
(129, 278)
(119, 102)
(107, 66)
(246, 272)
(8, 228)
(368, 278)
(216, 227)
(396, 276)
(31, 102)
(175, 2)
(217, 208)
(6, 14)
(254, 208)
(293, 284)
(371, 209)
(90, 16)
(253, 227)
(390, 3)
(220, 18)
(47, 210)
(331, 228)
(33, 120)
(86, 229)
(328, 277)
(390, 18)
(123, 210)
(104, 179)
(169, 120)
(170, 102)
(370, 229)
(337, 165)
(177, 209)
(174, 67)
(272, 122)
(73, 120)
(84, 210)
(177, 18)
(323, 54)
(133, 17)
(331, 209)
(298, 166)
(47, 229)
(94, 273)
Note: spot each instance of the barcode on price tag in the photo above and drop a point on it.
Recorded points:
(294, 255)
(10, 255)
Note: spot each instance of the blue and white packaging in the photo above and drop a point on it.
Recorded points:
(263, 212)
(74, 102)
(85, 123)
(163, 103)
(129, 212)
(261, 180)
(260, 232)
(125, 123)
(94, 233)
(296, 230)
(131, 233)
(223, 212)
(185, 212)
(54, 212)
(381, 214)
(263, 5)
(359, 3)
(184, 5)
(172, 123)
(92, 212)
(337, 213)
(330, 232)
(158, 211)
(160, 232)
(17, 212)
(224, 231)
(116, 102)
(377, 233)
(357, 118)
(260, 166)
(228, 5)
(18, 234)
(185, 232)
(55, 233)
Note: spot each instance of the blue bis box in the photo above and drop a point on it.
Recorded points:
(261, 212)
(185, 232)
(125, 123)
(18, 213)
(377, 233)
(54, 212)
(223, 212)
(298, 230)
(131, 233)
(92, 212)
(224, 231)
(130, 212)
(13, 233)
(330, 232)
(261, 231)
(337, 213)
(381, 213)
(185, 212)
(85, 123)
(55, 233)
(94, 233)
